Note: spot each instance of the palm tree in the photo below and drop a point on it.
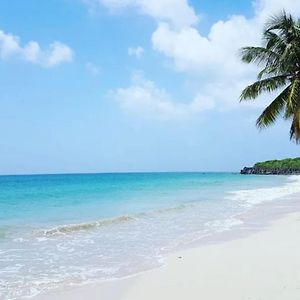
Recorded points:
(280, 58)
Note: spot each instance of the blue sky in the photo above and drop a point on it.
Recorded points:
(131, 85)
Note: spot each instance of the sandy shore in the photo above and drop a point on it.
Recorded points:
(262, 266)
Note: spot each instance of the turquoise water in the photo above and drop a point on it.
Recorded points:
(58, 230)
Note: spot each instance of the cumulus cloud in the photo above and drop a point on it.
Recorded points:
(263, 8)
(210, 62)
(193, 52)
(137, 52)
(144, 98)
(56, 53)
(214, 57)
(177, 12)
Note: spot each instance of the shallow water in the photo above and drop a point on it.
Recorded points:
(58, 230)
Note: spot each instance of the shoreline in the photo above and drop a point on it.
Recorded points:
(265, 221)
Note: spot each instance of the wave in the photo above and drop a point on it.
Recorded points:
(72, 228)
(260, 195)
(65, 229)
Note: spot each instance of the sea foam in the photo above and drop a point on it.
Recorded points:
(252, 197)
(71, 228)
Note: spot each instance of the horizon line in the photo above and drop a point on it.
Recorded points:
(117, 172)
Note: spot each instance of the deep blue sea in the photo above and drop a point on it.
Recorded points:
(58, 230)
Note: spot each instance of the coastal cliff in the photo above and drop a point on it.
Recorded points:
(289, 166)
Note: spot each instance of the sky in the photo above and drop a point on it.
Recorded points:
(132, 86)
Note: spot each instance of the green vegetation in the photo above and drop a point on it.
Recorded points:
(289, 163)
(279, 58)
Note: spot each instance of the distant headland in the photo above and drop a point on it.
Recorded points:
(289, 166)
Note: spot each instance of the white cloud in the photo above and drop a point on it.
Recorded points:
(193, 52)
(265, 8)
(56, 53)
(177, 12)
(210, 62)
(145, 99)
(213, 58)
(137, 52)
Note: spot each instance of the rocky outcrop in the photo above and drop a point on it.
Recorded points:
(276, 171)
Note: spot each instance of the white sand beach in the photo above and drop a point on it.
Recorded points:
(264, 265)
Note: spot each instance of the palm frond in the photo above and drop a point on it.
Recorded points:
(282, 35)
(282, 23)
(258, 55)
(265, 85)
(293, 100)
(294, 94)
(274, 42)
(271, 113)
(295, 127)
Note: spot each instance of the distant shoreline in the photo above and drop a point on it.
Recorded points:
(288, 166)
(260, 171)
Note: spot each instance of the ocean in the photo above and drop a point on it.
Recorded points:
(65, 230)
